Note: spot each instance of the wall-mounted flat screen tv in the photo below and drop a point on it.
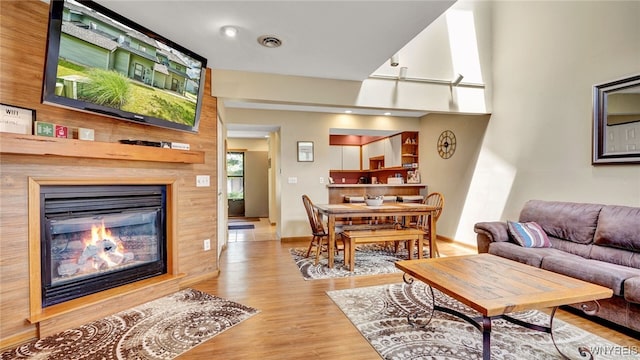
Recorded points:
(101, 62)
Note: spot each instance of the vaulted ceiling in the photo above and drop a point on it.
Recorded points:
(346, 40)
(326, 39)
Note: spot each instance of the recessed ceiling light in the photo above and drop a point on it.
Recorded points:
(229, 31)
(387, 113)
(348, 111)
(269, 41)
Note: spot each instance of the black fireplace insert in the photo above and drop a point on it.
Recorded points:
(98, 237)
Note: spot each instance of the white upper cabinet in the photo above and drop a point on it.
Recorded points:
(335, 157)
(376, 148)
(365, 157)
(392, 151)
(344, 157)
(350, 157)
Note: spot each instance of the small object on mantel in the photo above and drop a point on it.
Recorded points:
(180, 146)
(86, 134)
(141, 142)
(44, 128)
(61, 131)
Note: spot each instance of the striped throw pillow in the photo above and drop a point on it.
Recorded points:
(528, 234)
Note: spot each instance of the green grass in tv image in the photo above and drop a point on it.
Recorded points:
(107, 88)
(112, 89)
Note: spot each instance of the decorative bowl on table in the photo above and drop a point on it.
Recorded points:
(373, 200)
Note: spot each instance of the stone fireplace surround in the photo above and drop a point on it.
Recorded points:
(50, 318)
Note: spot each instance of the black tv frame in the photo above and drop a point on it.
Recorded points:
(49, 95)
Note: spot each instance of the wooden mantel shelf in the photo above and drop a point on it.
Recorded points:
(49, 146)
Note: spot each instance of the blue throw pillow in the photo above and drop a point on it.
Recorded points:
(528, 234)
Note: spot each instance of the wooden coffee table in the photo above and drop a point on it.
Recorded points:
(495, 286)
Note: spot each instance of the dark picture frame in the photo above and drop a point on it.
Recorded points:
(606, 119)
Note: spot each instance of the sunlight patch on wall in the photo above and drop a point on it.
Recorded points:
(487, 196)
(463, 43)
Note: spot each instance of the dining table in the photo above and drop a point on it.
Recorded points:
(333, 212)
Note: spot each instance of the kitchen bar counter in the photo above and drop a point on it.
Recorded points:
(337, 192)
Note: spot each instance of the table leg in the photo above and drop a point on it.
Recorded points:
(432, 233)
(484, 325)
(486, 338)
(410, 248)
(352, 254)
(582, 350)
(331, 224)
(411, 317)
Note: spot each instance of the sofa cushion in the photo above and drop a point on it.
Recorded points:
(615, 256)
(565, 220)
(529, 256)
(619, 226)
(571, 247)
(593, 271)
(528, 234)
(632, 289)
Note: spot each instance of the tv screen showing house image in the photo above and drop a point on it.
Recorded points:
(99, 61)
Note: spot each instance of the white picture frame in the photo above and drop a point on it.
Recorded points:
(305, 151)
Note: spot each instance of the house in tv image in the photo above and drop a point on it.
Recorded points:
(90, 41)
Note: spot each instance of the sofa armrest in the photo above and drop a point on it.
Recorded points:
(488, 232)
(632, 289)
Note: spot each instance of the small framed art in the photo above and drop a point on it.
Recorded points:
(15, 119)
(305, 151)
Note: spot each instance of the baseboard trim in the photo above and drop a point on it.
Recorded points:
(17, 339)
(457, 243)
(295, 239)
(196, 279)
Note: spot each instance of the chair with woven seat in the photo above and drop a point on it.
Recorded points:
(434, 199)
(320, 237)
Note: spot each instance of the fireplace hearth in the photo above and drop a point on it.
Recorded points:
(98, 237)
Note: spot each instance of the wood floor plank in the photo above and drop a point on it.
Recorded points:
(297, 319)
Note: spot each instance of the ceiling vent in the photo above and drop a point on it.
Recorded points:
(269, 41)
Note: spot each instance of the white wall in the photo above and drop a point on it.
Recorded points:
(546, 58)
(451, 177)
(248, 144)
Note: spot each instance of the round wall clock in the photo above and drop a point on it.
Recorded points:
(447, 144)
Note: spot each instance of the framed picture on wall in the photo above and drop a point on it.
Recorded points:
(305, 151)
(16, 119)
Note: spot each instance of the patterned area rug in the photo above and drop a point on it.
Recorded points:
(380, 314)
(160, 329)
(370, 260)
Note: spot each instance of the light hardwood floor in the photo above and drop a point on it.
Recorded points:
(297, 320)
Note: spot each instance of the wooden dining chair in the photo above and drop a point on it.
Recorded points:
(434, 199)
(320, 237)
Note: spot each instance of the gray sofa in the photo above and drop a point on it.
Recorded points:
(591, 242)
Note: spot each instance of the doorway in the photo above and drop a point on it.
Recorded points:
(235, 183)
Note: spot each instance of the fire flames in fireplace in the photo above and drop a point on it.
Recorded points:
(101, 252)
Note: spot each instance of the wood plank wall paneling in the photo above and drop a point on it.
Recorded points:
(23, 30)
